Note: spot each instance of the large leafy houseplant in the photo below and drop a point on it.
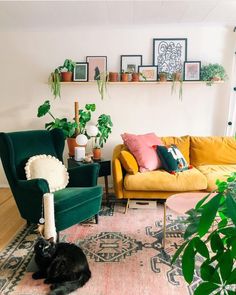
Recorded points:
(217, 246)
(213, 72)
(68, 127)
(104, 126)
(55, 77)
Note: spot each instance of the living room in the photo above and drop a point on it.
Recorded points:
(36, 37)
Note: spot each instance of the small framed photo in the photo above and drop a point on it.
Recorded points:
(96, 66)
(192, 70)
(130, 63)
(81, 71)
(148, 73)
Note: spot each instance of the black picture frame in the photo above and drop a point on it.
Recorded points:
(151, 73)
(129, 63)
(169, 54)
(192, 70)
(80, 72)
(96, 65)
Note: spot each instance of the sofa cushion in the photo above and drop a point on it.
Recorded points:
(212, 150)
(160, 180)
(172, 159)
(128, 162)
(182, 143)
(214, 172)
(141, 146)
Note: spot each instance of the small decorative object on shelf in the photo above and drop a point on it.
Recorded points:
(213, 72)
(124, 77)
(177, 77)
(163, 76)
(113, 76)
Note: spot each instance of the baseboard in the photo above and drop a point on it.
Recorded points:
(4, 185)
(142, 204)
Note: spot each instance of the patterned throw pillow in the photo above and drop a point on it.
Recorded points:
(172, 159)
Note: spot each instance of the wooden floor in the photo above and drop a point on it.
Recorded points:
(10, 220)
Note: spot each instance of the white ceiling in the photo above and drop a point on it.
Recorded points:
(56, 14)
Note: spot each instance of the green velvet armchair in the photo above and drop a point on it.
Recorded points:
(80, 200)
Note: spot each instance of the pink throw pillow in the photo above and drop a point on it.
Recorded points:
(141, 146)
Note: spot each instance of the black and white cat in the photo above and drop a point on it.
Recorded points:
(63, 265)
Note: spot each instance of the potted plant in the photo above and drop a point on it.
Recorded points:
(213, 72)
(113, 76)
(63, 73)
(124, 76)
(163, 76)
(104, 125)
(101, 79)
(217, 248)
(177, 77)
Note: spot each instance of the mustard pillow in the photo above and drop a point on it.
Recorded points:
(128, 162)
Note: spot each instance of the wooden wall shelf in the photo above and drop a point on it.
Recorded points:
(139, 83)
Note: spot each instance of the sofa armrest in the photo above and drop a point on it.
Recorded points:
(84, 175)
(117, 178)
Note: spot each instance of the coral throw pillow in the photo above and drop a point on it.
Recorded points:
(141, 146)
(49, 168)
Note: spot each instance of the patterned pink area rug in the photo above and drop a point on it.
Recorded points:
(125, 255)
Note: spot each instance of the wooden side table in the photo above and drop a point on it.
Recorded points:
(104, 171)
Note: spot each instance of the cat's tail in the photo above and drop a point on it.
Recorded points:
(70, 286)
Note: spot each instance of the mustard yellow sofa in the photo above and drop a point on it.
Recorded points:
(211, 157)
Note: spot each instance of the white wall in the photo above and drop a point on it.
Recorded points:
(28, 57)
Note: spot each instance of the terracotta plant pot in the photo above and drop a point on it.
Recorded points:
(66, 76)
(135, 77)
(163, 77)
(71, 146)
(113, 76)
(97, 154)
(176, 76)
(125, 77)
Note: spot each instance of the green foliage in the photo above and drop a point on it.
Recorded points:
(217, 248)
(211, 71)
(66, 126)
(102, 84)
(54, 79)
(104, 125)
(104, 122)
(85, 116)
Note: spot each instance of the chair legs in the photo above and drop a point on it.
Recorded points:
(96, 218)
(127, 206)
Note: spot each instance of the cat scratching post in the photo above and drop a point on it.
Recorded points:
(49, 226)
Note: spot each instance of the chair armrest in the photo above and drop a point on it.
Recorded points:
(84, 176)
(37, 185)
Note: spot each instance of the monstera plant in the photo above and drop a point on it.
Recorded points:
(211, 233)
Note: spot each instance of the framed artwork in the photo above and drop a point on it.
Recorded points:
(148, 73)
(96, 65)
(192, 70)
(130, 63)
(169, 54)
(81, 71)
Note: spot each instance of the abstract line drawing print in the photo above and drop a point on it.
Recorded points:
(169, 54)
